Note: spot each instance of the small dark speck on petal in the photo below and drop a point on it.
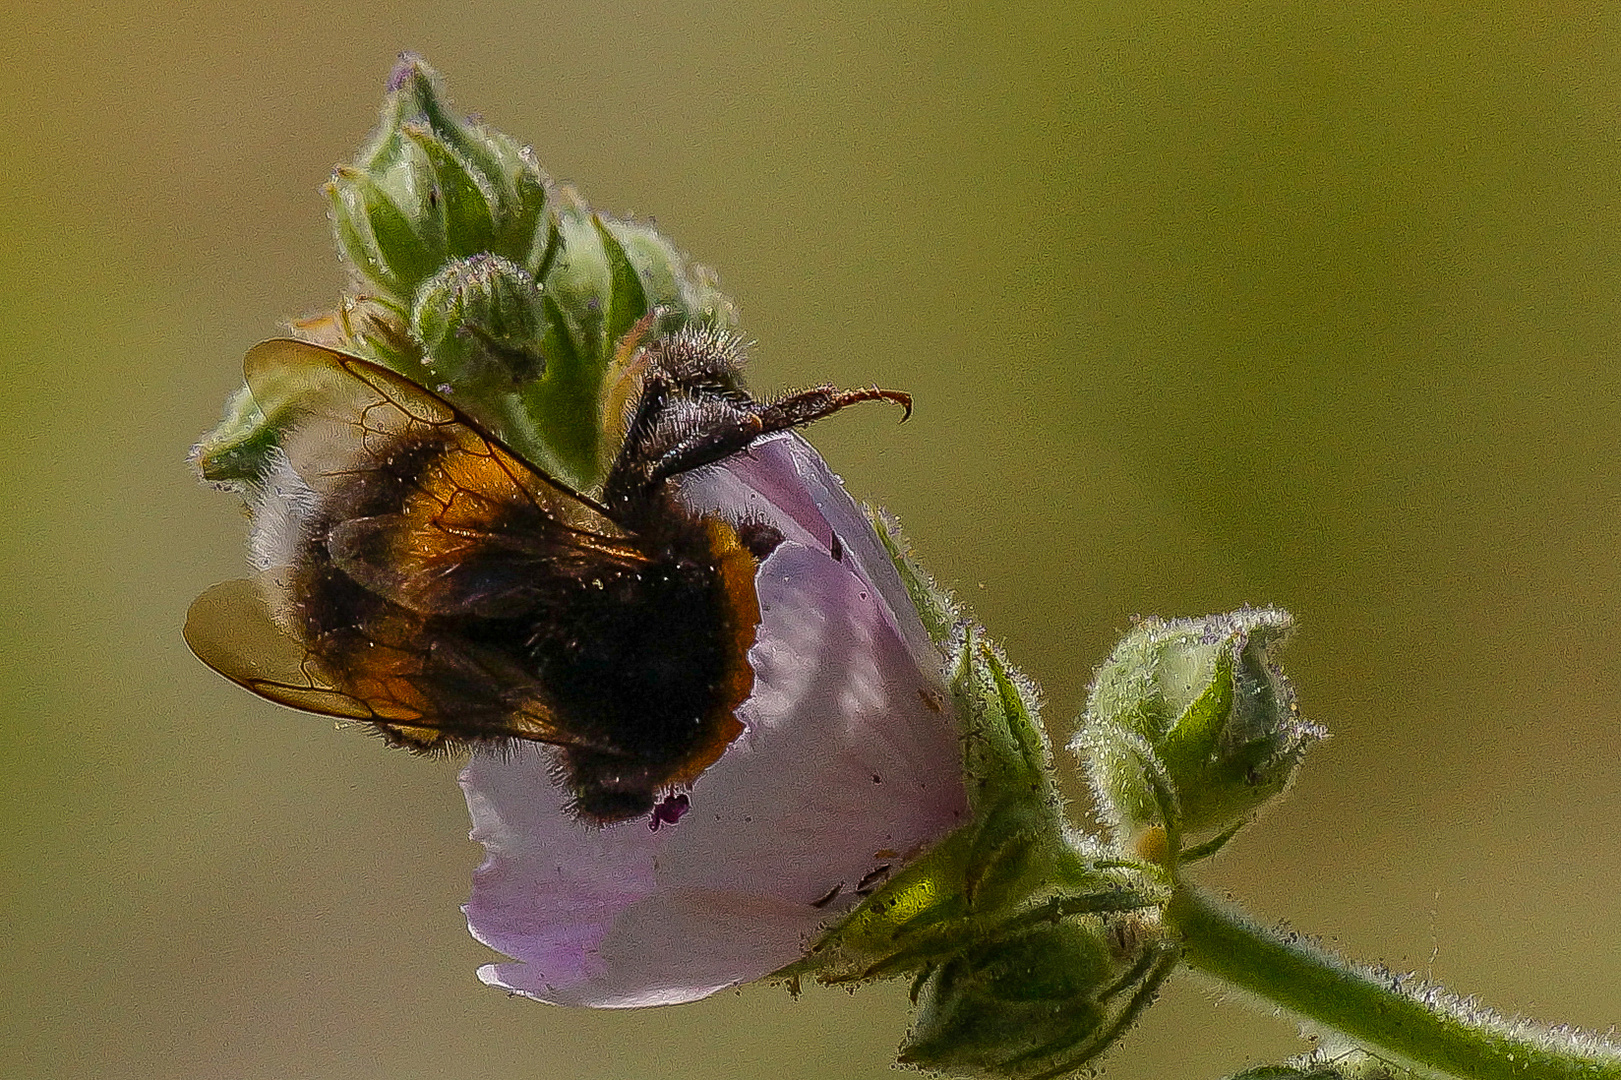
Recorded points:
(669, 811)
(873, 878)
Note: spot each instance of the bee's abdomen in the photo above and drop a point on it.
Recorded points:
(636, 658)
(648, 667)
(492, 621)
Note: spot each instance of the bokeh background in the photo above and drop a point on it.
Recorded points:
(1202, 304)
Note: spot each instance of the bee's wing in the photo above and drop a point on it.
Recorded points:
(456, 565)
(338, 413)
(230, 629)
(402, 692)
(470, 530)
(478, 520)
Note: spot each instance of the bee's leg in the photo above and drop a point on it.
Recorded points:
(702, 430)
(808, 406)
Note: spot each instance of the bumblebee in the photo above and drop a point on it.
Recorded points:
(418, 576)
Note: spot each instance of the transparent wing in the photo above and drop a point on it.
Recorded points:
(230, 629)
(470, 532)
(418, 692)
(339, 413)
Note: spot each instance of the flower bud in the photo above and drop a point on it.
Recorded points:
(1189, 730)
(1039, 1003)
(241, 450)
(474, 280)
(608, 273)
(430, 187)
(234, 452)
(481, 321)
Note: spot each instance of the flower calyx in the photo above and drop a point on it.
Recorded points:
(1030, 950)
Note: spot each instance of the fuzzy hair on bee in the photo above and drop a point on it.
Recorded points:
(418, 576)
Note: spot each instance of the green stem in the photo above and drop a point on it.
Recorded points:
(1402, 1020)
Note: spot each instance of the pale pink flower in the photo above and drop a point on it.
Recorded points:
(849, 767)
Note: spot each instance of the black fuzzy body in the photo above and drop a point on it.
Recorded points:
(633, 662)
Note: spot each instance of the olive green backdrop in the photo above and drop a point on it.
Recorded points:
(1304, 304)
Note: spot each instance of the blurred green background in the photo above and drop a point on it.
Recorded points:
(1303, 304)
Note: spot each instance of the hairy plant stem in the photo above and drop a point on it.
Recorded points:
(1402, 1020)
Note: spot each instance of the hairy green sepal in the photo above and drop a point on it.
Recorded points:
(1028, 948)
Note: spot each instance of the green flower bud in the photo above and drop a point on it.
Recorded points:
(668, 280)
(481, 321)
(474, 280)
(1039, 1003)
(430, 187)
(602, 278)
(1189, 730)
(477, 282)
(237, 451)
